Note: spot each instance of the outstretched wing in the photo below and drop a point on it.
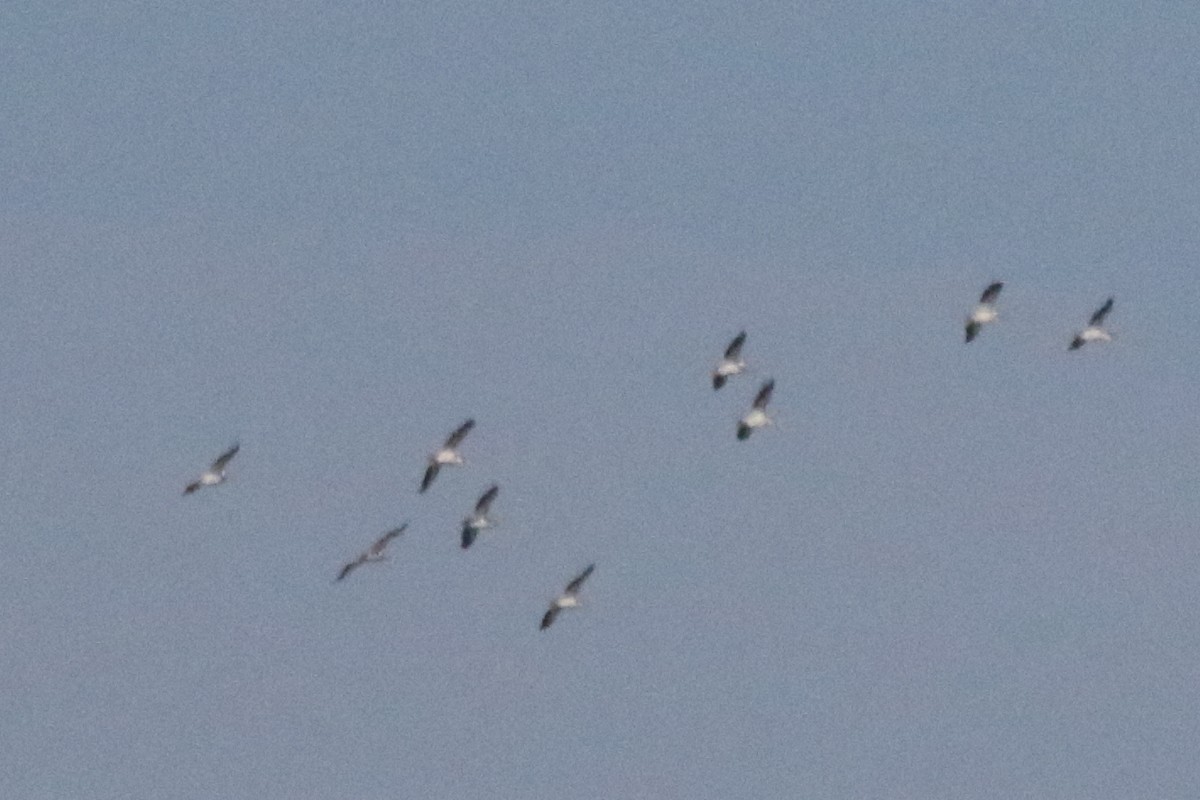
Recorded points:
(469, 532)
(191, 487)
(349, 567)
(459, 434)
(548, 617)
(764, 394)
(991, 293)
(577, 581)
(225, 458)
(430, 473)
(383, 541)
(972, 330)
(735, 347)
(485, 501)
(1101, 313)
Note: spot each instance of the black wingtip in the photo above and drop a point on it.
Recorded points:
(764, 394)
(468, 536)
(743, 432)
(430, 473)
(1076, 343)
(487, 498)
(735, 346)
(718, 381)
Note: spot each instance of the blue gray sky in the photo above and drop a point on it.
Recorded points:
(331, 232)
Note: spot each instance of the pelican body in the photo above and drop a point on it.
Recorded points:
(731, 363)
(215, 474)
(375, 553)
(447, 455)
(479, 519)
(757, 416)
(1094, 332)
(985, 312)
(568, 599)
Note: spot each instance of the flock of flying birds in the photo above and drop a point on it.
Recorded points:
(985, 312)
(730, 365)
(478, 521)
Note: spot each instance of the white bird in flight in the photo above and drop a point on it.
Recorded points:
(374, 553)
(1094, 332)
(985, 312)
(215, 474)
(757, 417)
(447, 455)
(479, 520)
(732, 363)
(568, 599)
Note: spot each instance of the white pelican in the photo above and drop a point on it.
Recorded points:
(985, 312)
(732, 363)
(479, 520)
(568, 599)
(1094, 332)
(373, 553)
(448, 455)
(757, 418)
(214, 474)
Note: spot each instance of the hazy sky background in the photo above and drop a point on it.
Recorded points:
(331, 232)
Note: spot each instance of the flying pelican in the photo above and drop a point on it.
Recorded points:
(757, 418)
(479, 520)
(214, 474)
(732, 363)
(985, 312)
(568, 599)
(1094, 332)
(447, 455)
(373, 553)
